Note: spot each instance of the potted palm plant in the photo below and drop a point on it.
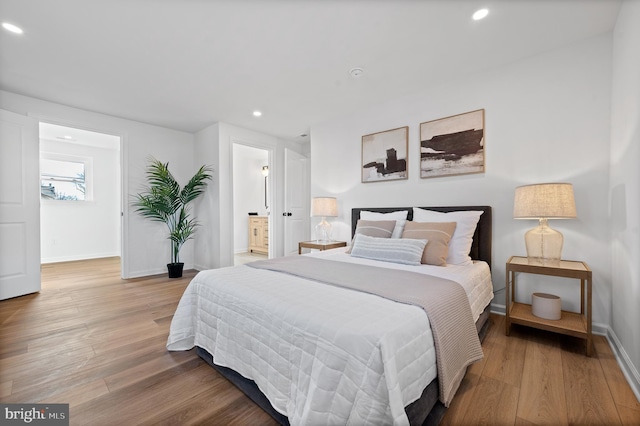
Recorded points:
(164, 201)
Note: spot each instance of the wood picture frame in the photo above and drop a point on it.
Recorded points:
(384, 155)
(453, 145)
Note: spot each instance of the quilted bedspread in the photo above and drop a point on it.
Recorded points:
(445, 302)
(321, 354)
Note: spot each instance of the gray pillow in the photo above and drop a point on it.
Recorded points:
(400, 217)
(374, 228)
(397, 250)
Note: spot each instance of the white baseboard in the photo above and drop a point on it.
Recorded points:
(629, 370)
(496, 308)
(201, 267)
(146, 273)
(77, 257)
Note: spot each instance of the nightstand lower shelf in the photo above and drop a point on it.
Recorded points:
(570, 323)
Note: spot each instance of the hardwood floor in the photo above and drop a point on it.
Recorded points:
(534, 377)
(97, 342)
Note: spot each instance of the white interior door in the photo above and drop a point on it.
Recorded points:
(19, 206)
(296, 209)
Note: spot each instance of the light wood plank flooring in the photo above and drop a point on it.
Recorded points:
(97, 342)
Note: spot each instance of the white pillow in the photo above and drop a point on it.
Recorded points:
(400, 217)
(398, 250)
(460, 244)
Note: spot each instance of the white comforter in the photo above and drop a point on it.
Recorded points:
(321, 354)
(475, 279)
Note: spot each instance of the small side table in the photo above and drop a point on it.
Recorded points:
(319, 245)
(571, 323)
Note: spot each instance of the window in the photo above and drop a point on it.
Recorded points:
(62, 180)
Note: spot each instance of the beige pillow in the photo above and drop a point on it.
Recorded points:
(399, 216)
(438, 235)
(460, 244)
(374, 228)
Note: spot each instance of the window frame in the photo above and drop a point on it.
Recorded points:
(88, 173)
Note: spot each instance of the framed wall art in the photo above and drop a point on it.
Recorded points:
(452, 145)
(384, 155)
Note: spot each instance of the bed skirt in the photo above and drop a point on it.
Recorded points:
(426, 411)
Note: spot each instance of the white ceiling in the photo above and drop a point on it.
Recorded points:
(188, 64)
(70, 135)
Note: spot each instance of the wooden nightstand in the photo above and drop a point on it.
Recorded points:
(320, 245)
(570, 323)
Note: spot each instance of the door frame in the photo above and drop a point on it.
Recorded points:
(124, 182)
(271, 196)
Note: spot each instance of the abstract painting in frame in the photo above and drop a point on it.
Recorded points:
(384, 155)
(452, 145)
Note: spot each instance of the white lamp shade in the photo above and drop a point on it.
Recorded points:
(324, 206)
(546, 200)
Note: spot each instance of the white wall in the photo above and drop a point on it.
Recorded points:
(207, 208)
(213, 145)
(625, 187)
(546, 119)
(248, 191)
(146, 249)
(74, 230)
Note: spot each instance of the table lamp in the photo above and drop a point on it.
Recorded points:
(544, 201)
(324, 207)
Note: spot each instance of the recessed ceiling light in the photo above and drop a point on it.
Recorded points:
(480, 14)
(257, 113)
(10, 27)
(356, 72)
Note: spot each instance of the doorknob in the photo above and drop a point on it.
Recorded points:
(287, 214)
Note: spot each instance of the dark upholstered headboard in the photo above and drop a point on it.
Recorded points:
(481, 247)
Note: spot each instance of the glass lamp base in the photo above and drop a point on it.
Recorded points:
(544, 243)
(323, 231)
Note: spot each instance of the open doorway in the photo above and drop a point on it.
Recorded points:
(81, 195)
(251, 203)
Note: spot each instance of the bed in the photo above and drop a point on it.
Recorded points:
(311, 353)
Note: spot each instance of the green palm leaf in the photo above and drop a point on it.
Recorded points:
(196, 185)
(164, 201)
